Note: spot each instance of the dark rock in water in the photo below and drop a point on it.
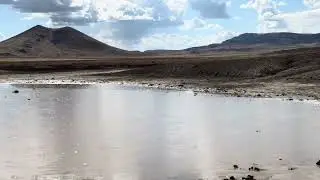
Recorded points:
(259, 95)
(235, 166)
(292, 169)
(290, 99)
(28, 99)
(318, 163)
(280, 159)
(232, 178)
(249, 177)
(254, 169)
(15, 91)
(180, 85)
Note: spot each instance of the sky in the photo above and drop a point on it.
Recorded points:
(161, 24)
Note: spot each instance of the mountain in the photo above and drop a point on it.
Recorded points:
(274, 39)
(253, 41)
(40, 41)
(66, 42)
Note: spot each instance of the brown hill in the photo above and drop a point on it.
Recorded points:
(40, 41)
(252, 42)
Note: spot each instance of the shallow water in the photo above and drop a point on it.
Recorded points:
(128, 133)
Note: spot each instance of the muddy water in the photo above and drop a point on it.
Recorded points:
(126, 133)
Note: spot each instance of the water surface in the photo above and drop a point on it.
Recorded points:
(125, 133)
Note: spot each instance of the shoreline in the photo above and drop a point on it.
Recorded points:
(275, 90)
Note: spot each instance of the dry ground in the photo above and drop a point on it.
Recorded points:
(291, 73)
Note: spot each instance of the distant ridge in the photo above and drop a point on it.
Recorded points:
(254, 41)
(41, 41)
(274, 39)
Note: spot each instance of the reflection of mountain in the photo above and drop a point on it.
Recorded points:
(57, 111)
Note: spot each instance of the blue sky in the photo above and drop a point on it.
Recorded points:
(162, 24)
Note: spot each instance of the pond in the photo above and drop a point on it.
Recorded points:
(122, 132)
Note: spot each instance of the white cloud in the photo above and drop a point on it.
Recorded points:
(83, 12)
(178, 6)
(36, 16)
(265, 9)
(107, 10)
(198, 24)
(211, 9)
(300, 22)
(271, 19)
(264, 6)
(179, 40)
(312, 3)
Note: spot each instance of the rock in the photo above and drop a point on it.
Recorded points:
(292, 169)
(180, 85)
(28, 99)
(15, 91)
(290, 99)
(280, 159)
(249, 177)
(235, 166)
(254, 169)
(232, 178)
(259, 95)
(318, 163)
(257, 169)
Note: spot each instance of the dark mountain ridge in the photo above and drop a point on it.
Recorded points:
(40, 41)
(256, 42)
(282, 38)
